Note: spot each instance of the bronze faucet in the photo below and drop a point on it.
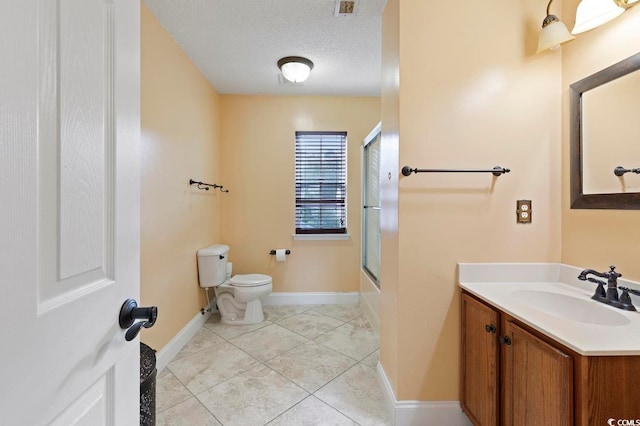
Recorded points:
(610, 296)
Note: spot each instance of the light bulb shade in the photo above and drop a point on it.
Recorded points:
(553, 35)
(593, 13)
(295, 68)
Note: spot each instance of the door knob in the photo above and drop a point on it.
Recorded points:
(129, 312)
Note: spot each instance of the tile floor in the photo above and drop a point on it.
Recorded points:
(305, 365)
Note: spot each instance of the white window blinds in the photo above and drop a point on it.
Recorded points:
(321, 182)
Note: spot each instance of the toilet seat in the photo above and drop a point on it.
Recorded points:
(249, 280)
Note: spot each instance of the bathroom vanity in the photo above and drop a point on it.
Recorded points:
(536, 350)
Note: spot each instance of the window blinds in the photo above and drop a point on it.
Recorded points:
(321, 182)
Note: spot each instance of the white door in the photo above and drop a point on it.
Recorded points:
(69, 211)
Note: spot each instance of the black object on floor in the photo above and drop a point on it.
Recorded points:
(148, 374)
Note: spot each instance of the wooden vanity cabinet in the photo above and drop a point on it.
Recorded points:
(479, 385)
(537, 380)
(510, 376)
(514, 375)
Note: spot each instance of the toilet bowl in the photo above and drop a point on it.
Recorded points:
(239, 298)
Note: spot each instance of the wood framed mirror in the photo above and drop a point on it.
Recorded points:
(622, 198)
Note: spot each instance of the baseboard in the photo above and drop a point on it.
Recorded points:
(420, 413)
(370, 299)
(387, 392)
(370, 312)
(328, 298)
(171, 349)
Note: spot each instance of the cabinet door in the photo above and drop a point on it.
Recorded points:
(479, 388)
(537, 380)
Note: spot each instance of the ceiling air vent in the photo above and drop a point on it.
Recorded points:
(345, 8)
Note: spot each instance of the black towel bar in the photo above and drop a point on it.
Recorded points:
(496, 171)
(620, 171)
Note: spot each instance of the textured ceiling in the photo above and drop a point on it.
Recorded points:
(236, 43)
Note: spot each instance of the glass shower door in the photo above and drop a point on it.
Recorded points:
(371, 206)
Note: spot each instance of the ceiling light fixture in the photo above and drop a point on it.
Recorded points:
(593, 13)
(554, 32)
(295, 68)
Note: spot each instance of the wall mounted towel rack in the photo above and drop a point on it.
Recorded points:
(496, 171)
(619, 171)
(206, 186)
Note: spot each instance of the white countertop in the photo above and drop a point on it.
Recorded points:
(513, 288)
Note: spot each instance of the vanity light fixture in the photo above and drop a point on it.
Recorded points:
(626, 3)
(296, 69)
(593, 13)
(554, 32)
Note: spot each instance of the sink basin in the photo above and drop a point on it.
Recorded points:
(571, 308)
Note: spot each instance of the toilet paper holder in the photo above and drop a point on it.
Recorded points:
(273, 252)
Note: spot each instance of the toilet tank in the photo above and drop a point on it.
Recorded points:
(212, 265)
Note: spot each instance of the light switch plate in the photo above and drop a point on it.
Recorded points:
(523, 211)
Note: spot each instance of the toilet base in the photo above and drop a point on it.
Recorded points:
(252, 315)
(233, 312)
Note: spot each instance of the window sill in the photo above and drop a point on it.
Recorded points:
(321, 237)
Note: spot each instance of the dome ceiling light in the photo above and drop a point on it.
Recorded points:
(296, 69)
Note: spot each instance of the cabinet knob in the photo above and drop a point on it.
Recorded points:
(505, 340)
(490, 328)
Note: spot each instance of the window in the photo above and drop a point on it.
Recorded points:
(321, 182)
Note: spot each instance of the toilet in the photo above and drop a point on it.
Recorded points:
(239, 298)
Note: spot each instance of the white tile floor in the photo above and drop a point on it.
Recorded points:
(303, 366)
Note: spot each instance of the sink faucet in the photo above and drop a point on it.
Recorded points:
(610, 297)
(612, 280)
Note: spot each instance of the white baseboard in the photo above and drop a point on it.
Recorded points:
(420, 413)
(387, 392)
(370, 299)
(370, 312)
(328, 298)
(171, 349)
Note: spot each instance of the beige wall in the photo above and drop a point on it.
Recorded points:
(598, 238)
(389, 153)
(180, 140)
(471, 95)
(258, 168)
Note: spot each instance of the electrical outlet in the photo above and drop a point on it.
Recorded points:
(523, 211)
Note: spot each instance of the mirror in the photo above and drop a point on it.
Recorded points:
(605, 134)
